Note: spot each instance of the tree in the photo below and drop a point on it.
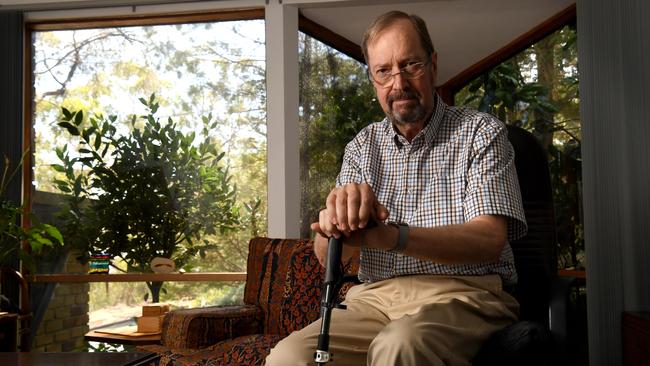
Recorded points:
(155, 192)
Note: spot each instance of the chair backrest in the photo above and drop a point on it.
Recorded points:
(536, 253)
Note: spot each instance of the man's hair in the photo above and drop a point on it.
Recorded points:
(386, 20)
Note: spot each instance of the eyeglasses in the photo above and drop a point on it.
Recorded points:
(383, 77)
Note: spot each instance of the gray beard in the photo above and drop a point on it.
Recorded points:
(411, 116)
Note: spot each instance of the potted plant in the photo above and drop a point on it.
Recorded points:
(154, 192)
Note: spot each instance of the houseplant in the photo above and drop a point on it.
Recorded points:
(154, 192)
(12, 233)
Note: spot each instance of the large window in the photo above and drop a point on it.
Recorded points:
(148, 141)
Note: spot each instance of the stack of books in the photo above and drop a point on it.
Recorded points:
(152, 318)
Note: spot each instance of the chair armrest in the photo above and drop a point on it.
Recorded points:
(203, 327)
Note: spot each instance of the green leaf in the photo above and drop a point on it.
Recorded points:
(78, 118)
(53, 232)
(59, 168)
(66, 113)
(71, 129)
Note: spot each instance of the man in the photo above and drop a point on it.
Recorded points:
(444, 179)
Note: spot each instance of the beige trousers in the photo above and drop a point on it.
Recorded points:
(412, 320)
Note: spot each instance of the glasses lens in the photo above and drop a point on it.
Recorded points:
(411, 71)
(414, 70)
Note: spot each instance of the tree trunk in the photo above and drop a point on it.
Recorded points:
(545, 56)
(154, 288)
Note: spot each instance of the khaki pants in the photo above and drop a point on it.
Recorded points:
(412, 320)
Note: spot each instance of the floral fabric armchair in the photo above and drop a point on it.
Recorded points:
(282, 294)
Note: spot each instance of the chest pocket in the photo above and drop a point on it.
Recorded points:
(442, 202)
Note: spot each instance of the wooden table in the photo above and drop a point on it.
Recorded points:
(79, 358)
(95, 336)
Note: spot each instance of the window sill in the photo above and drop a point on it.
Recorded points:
(140, 277)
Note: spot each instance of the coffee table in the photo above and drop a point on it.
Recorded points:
(79, 358)
(95, 336)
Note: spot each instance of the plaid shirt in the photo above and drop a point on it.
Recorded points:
(461, 165)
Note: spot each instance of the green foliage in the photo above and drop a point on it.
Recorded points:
(154, 192)
(336, 102)
(12, 234)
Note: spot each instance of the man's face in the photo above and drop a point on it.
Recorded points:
(406, 101)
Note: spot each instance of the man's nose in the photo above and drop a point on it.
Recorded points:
(399, 81)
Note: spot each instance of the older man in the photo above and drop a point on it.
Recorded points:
(441, 183)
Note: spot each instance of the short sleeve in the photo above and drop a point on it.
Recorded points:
(492, 186)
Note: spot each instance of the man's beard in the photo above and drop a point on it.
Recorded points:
(405, 115)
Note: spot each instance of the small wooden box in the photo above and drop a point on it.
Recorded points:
(155, 310)
(150, 324)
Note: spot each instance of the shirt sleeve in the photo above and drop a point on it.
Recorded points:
(492, 187)
(350, 168)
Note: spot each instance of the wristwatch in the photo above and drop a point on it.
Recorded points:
(402, 237)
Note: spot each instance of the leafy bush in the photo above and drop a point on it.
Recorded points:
(11, 231)
(154, 192)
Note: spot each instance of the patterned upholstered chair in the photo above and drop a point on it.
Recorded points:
(282, 294)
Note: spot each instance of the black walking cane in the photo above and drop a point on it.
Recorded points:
(334, 279)
(329, 297)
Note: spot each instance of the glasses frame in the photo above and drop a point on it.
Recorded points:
(402, 71)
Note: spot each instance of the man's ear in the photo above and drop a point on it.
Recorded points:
(434, 68)
(434, 62)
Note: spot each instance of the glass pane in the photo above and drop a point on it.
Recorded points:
(336, 102)
(193, 175)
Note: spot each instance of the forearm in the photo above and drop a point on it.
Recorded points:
(477, 241)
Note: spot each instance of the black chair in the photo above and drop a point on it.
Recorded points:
(539, 338)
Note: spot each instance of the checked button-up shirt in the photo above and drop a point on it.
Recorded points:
(461, 165)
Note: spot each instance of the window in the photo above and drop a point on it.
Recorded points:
(336, 101)
(207, 80)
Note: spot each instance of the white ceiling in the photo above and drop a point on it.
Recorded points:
(463, 31)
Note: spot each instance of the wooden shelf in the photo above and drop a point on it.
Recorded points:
(577, 273)
(140, 277)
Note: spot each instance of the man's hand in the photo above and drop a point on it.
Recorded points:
(349, 208)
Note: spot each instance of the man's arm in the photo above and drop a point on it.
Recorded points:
(476, 241)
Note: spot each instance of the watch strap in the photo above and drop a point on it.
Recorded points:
(402, 236)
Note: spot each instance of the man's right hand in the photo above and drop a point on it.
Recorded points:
(349, 208)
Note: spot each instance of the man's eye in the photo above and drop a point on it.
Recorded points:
(382, 73)
(412, 65)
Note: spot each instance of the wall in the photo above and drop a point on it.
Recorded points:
(614, 54)
(66, 320)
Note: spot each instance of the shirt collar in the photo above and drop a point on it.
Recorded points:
(429, 131)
